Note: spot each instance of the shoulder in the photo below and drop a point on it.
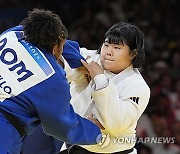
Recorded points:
(135, 82)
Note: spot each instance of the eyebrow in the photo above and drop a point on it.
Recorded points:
(107, 41)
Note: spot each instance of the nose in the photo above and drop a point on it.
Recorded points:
(109, 51)
(109, 54)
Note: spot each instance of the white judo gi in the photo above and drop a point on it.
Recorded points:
(116, 100)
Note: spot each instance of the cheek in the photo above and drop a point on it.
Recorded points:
(101, 60)
(61, 50)
(102, 54)
(123, 56)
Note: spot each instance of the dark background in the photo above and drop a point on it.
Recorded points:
(88, 20)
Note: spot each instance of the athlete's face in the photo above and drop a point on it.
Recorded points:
(58, 49)
(115, 57)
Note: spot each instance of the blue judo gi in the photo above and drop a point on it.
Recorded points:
(38, 142)
(34, 89)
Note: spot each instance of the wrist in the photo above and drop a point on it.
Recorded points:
(101, 81)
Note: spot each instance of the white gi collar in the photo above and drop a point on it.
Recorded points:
(116, 77)
(123, 74)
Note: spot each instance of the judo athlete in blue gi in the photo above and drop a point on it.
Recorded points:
(33, 86)
(38, 142)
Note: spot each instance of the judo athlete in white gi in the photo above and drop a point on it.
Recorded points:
(117, 95)
(33, 86)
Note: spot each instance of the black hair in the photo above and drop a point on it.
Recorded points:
(129, 34)
(44, 29)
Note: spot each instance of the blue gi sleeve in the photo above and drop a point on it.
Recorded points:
(57, 115)
(72, 54)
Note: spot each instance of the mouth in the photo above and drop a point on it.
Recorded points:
(106, 59)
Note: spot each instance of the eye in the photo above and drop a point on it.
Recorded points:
(116, 47)
(106, 44)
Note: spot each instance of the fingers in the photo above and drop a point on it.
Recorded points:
(88, 77)
(93, 67)
(89, 60)
(88, 57)
(89, 65)
(84, 63)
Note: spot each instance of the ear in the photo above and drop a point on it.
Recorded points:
(133, 53)
(54, 50)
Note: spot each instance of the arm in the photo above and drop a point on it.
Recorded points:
(117, 114)
(58, 117)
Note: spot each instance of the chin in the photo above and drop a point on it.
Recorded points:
(107, 69)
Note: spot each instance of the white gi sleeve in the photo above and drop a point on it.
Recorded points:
(100, 81)
(115, 113)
